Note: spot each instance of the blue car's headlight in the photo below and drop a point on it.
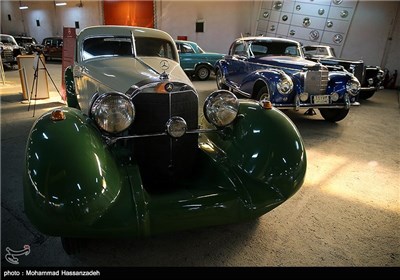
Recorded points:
(353, 86)
(221, 108)
(113, 112)
(285, 85)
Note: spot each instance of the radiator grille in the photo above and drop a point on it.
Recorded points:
(7, 55)
(316, 82)
(163, 160)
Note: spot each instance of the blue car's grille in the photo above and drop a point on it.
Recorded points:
(316, 82)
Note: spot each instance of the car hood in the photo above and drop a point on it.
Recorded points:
(214, 54)
(121, 73)
(287, 61)
(335, 60)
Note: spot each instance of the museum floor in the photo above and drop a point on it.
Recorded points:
(346, 214)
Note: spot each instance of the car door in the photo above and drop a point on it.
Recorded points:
(186, 56)
(238, 67)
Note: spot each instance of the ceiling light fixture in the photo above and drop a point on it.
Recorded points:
(61, 4)
(22, 7)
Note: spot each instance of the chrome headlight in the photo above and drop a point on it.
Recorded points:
(380, 75)
(113, 112)
(221, 108)
(285, 85)
(353, 86)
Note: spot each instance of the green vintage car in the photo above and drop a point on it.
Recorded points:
(128, 158)
(196, 62)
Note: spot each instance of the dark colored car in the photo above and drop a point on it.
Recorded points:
(275, 69)
(195, 61)
(370, 77)
(28, 43)
(128, 157)
(52, 48)
(9, 49)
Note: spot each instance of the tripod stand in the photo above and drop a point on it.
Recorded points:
(37, 59)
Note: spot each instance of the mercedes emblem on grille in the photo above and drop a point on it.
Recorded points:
(164, 65)
(169, 87)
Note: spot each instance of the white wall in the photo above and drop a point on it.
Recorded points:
(373, 23)
(224, 21)
(52, 19)
(369, 31)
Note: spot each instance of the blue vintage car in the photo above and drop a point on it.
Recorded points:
(130, 157)
(275, 69)
(195, 61)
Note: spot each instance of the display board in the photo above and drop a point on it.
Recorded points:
(32, 69)
(69, 40)
(309, 22)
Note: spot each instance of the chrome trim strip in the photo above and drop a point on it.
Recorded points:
(308, 105)
(112, 140)
(248, 95)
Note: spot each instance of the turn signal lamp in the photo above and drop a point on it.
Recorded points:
(57, 115)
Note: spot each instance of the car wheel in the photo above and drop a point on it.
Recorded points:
(333, 115)
(71, 246)
(219, 78)
(366, 94)
(263, 94)
(202, 73)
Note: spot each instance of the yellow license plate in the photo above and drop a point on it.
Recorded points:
(321, 99)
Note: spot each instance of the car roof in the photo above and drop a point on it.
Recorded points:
(185, 41)
(270, 39)
(122, 30)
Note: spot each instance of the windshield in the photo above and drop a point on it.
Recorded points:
(8, 40)
(122, 46)
(260, 48)
(319, 51)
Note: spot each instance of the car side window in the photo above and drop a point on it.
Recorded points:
(186, 48)
(239, 49)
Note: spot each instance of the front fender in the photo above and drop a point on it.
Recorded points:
(267, 152)
(71, 179)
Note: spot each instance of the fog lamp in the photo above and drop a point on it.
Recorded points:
(304, 96)
(335, 96)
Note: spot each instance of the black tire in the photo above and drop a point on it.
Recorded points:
(202, 72)
(333, 115)
(219, 78)
(366, 94)
(71, 246)
(263, 94)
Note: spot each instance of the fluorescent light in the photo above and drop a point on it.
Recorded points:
(23, 7)
(61, 4)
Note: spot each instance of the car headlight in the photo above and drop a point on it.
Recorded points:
(285, 85)
(113, 112)
(353, 86)
(380, 75)
(221, 108)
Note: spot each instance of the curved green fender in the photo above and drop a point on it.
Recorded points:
(266, 152)
(72, 180)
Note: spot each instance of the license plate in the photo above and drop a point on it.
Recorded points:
(321, 99)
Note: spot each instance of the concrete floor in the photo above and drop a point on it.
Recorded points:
(346, 214)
